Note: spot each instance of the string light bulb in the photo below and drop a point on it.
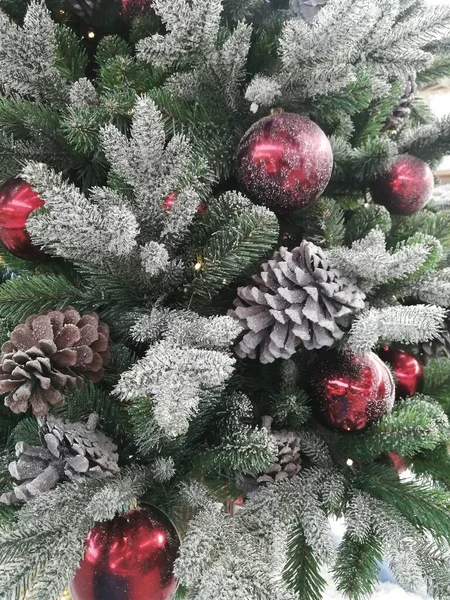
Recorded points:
(350, 462)
(199, 264)
(91, 34)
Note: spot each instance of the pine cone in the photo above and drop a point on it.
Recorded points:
(298, 299)
(85, 9)
(306, 9)
(402, 111)
(435, 348)
(69, 450)
(286, 466)
(49, 353)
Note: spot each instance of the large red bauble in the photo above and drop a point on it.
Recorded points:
(17, 201)
(405, 187)
(351, 392)
(129, 558)
(284, 161)
(408, 371)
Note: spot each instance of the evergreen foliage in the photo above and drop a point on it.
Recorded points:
(130, 140)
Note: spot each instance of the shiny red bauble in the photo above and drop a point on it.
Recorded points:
(408, 371)
(129, 558)
(351, 392)
(169, 201)
(284, 162)
(17, 201)
(405, 187)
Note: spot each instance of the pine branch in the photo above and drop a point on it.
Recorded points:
(20, 298)
(303, 569)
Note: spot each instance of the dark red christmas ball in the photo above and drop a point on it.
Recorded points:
(408, 371)
(405, 187)
(351, 392)
(398, 462)
(129, 558)
(17, 201)
(284, 161)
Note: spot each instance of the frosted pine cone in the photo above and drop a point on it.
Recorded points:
(51, 352)
(402, 111)
(299, 299)
(69, 450)
(286, 466)
(85, 9)
(437, 347)
(306, 9)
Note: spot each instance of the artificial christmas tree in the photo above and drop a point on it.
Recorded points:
(133, 148)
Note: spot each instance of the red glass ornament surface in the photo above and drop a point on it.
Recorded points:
(398, 462)
(351, 392)
(405, 187)
(408, 371)
(284, 161)
(17, 201)
(169, 201)
(129, 558)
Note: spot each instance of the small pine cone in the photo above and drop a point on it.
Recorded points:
(402, 111)
(85, 9)
(435, 348)
(286, 466)
(51, 352)
(299, 299)
(69, 450)
(306, 9)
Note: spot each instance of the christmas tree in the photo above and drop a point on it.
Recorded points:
(224, 299)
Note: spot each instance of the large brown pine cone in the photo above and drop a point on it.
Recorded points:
(51, 352)
(399, 118)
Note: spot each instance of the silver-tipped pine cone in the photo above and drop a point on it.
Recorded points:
(299, 299)
(401, 114)
(306, 9)
(437, 347)
(49, 353)
(286, 465)
(85, 9)
(68, 450)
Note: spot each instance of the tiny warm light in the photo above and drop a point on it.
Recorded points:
(198, 266)
(91, 34)
(350, 462)
(62, 12)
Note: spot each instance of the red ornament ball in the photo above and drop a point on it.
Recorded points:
(405, 187)
(398, 462)
(408, 371)
(351, 392)
(284, 161)
(169, 201)
(17, 201)
(129, 558)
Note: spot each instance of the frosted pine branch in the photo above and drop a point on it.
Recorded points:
(28, 55)
(155, 258)
(369, 261)
(174, 377)
(432, 288)
(163, 469)
(82, 93)
(405, 324)
(192, 29)
(263, 92)
(99, 229)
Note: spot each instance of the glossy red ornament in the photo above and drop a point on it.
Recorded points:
(405, 187)
(17, 201)
(129, 558)
(351, 392)
(284, 161)
(408, 371)
(398, 462)
(169, 201)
